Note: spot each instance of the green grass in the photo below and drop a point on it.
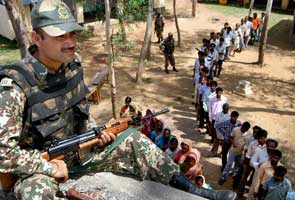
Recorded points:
(234, 10)
(9, 52)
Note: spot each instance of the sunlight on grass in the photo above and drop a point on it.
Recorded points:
(232, 10)
(9, 53)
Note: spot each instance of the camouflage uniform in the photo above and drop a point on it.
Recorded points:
(37, 106)
(168, 46)
(159, 27)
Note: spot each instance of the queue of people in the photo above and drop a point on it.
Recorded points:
(252, 160)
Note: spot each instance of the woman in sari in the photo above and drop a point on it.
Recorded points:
(189, 160)
(149, 123)
(162, 141)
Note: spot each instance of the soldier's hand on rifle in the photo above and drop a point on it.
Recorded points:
(59, 170)
(106, 138)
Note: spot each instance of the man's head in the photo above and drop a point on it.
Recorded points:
(170, 35)
(225, 108)
(275, 157)
(250, 19)
(212, 35)
(54, 32)
(209, 80)
(255, 130)
(245, 127)
(173, 144)
(228, 29)
(218, 35)
(204, 72)
(279, 173)
(213, 86)
(242, 21)
(255, 15)
(262, 14)
(271, 145)
(261, 136)
(225, 25)
(234, 116)
(221, 41)
(219, 91)
(127, 100)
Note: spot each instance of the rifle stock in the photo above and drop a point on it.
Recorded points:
(82, 141)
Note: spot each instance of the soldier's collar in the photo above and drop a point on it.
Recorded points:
(39, 69)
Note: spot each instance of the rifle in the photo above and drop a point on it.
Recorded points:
(80, 142)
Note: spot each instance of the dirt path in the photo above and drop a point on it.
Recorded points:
(271, 106)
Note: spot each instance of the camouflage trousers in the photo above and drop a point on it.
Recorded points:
(135, 155)
(169, 58)
(159, 35)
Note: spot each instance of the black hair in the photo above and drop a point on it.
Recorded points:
(261, 133)
(213, 83)
(221, 39)
(272, 141)
(128, 99)
(257, 127)
(219, 89)
(174, 139)
(226, 23)
(209, 78)
(234, 114)
(277, 153)
(199, 178)
(40, 32)
(205, 69)
(280, 171)
(212, 33)
(246, 125)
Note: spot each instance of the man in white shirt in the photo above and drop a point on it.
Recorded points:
(238, 140)
(262, 155)
(215, 107)
(221, 52)
(248, 27)
(256, 145)
(197, 75)
(202, 95)
(220, 118)
(206, 103)
(228, 41)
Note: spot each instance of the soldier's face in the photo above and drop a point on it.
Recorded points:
(60, 49)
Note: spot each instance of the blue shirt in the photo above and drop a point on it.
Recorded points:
(275, 190)
(225, 128)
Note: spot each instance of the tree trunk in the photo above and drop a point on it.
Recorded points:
(263, 39)
(16, 19)
(120, 14)
(122, 30)
(194, 7)
(110, 57)
(149, 52)
(176, 23)
(147, 38)
(251, 7)
(292, 32)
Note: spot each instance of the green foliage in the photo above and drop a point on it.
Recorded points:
(135, 10)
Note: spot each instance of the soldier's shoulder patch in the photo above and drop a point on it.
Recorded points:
(6, 82)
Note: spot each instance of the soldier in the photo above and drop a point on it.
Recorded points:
(159, 27)
(43, 98)
(168, 46)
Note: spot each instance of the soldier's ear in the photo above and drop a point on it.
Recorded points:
(36, 38)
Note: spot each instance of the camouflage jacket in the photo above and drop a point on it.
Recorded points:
(169, 46)
(19, 161)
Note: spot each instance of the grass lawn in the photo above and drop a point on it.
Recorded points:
(234, 10)
(9, 51)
